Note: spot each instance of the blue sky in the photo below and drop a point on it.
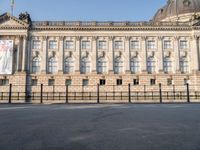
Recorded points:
(86, 10)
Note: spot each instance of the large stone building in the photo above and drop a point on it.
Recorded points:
(164, 50)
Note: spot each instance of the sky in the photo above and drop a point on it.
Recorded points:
(85, 10)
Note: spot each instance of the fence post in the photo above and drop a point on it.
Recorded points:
(41, 94)
(144, 92)
(98, 101)
(160, 91)
(66, 94)
(10, 94)
(174, 91)
(188, 93)
(129, 92)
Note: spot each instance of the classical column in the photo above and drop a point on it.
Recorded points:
(77, 54)
(24, 52)
(94, 54)
(44, 54)
(160, 54)
(111, 55)
(194, 59)
(18, 54)
(127, 54)
(144, 55)
(61, 56)
(29, 55)
(177, 54)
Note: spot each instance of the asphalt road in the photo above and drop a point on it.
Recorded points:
(100, 127)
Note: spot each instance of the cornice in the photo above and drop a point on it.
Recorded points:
(149, 28)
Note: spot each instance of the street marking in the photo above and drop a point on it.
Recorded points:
(14, 108)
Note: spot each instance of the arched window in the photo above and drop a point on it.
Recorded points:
(151, 65)
(184, 65)
(118, 65)
(101, 65)
(69, 65)
(85, 65)
(167, 65)
(36, 65)
(52, 65)
(135, 65)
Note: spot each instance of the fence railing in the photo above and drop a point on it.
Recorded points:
(99, 94)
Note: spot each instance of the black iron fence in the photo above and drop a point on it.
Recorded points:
(99, 94)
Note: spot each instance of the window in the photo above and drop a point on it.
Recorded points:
(169, 81)
(135, 45)
(51, 82)
(153, 82)
(52, 44)
(85, 45)
(151, 65)
(69, 45)
(135, 65)
(102, 82)
(183, 65)
(167, 44)
(102, 44)
(85, 82)
(119, 81)
(118, 45)
(4, 82)
(136, 82)
(34, 82)
(186, 81)
(118, 65)
(183, 44)
(52, 65)
(167, 65)
(69, 65)
(85, 65)
(36, 44)
(151, 45)
(36, 65)
(68, 82)
(102, 65)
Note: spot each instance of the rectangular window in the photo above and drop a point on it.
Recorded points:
(69, 45)
(52, 44)
(135, 45)
(36, 44)
(153, 82)
(85, 82)
(102, 44)
(136, 82)
(51, 82)
(151, 45)
(119, 82)
(85, 45)
(183, 44)
(169, 81)
(102, 82)
(34, 82)
(68, 82)
(4, 82)
(167, 44)
(186, 81)
(118, 45)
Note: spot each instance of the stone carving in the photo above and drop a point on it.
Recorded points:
(25, 17)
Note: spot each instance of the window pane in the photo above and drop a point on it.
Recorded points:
(135, 45)
(102, 44)
(118, 45)
(52, 44)
(85, 45)
(36, 44)
(69, 45)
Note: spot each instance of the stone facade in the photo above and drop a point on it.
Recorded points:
(119, 53)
